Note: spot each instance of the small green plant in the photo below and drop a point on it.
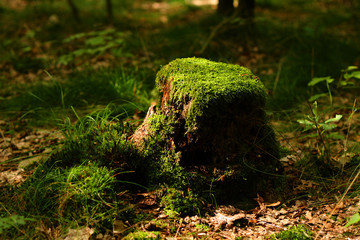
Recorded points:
(322, 127)
(298, 232)
(10, 222)
(94, 43)
(315, 81)
(347, 79)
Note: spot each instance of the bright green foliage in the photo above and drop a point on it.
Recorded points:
(353, 220)
(209, 86)
(100, 143)
(350, 75)
(298, 232)
(88, 190)
(180, 203)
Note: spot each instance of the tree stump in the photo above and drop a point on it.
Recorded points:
(212, 116)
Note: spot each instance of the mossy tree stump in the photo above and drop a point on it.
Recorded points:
(212, 116)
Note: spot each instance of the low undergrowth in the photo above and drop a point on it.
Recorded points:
(87, 182)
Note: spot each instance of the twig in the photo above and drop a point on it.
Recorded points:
(2, 135)
(213, 33)
(177, 231)
(278, 75)
(146, 51)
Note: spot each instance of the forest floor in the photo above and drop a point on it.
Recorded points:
(36, 105)
(316, 205)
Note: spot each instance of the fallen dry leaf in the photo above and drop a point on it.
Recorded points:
(79, 234)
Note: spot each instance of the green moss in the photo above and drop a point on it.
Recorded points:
(202, 227)
(180, 203)
(298, 232)
(209, 86)
(161, 125)
(138, 235)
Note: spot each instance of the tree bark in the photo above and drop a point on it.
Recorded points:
(74, 10)
(109, 10)
(246, 9)
(225, 7)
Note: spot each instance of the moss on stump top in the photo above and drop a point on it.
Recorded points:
(208, 86)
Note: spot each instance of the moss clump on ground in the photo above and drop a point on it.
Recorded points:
(298, 232)
(139, 235)
(180, 203)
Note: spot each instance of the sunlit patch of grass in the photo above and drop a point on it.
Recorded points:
(124, 91)
(83, 195)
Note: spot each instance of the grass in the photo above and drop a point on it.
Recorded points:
(124, 92)
(306, 56)
(78, 185)
(91, 95)
(67, 198)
